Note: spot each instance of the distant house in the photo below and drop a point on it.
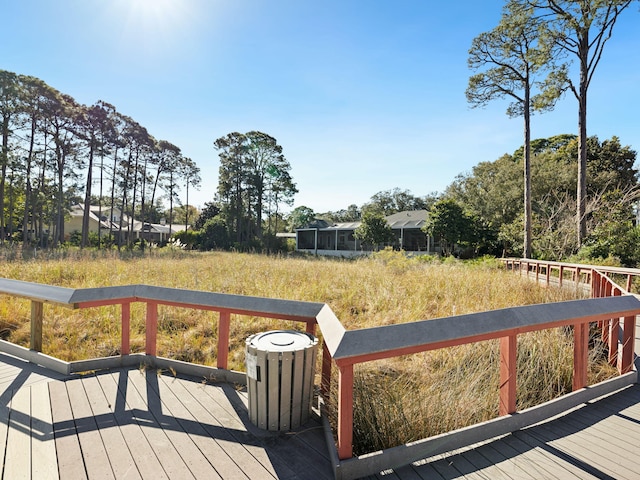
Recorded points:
(109, 221)
(337, 239)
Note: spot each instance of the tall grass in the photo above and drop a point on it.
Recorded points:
(431, 392)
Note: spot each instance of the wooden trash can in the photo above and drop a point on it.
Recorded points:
(280, 372)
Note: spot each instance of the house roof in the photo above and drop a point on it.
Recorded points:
(397, 221)
(346, 225)
(409, 219)
(78, 211)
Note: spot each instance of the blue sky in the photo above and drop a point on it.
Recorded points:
(363, 95)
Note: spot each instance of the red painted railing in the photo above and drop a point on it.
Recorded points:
(600, 285)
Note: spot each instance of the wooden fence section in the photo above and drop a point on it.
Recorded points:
(347, 348)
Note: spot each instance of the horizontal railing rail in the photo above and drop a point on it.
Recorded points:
(347, 348)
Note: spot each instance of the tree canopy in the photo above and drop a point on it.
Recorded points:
(374, 230)
(254, 180)
(55, 152)
(491, 193)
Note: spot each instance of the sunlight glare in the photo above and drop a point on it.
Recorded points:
(155, 26)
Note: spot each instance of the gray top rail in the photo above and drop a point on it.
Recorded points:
(81, 297)
(430, 334)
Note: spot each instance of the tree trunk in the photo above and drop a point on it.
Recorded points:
(27, 184)
(581, 218)
(87, 200)
(4, 160)
(527, 175)
(113, 197)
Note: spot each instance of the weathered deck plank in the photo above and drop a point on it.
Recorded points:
(558, 466)
(282, 453)
(180, 402)
(43, 445)
(234, 438)
(70, 461)
(598, 440)
(18, 454)
(93, 449)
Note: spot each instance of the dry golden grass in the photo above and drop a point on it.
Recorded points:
(433, 392)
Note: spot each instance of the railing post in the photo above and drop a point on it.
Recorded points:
(325, 379)
(151, 328)
(629, 283)
(607, 289)
(580, 355)
(224, 326)
(345, 411)
(625, 361)
(36, 325)
(613, 336)
(561, 275)
(125, 343)
(548, 274)
(508, 370)
(311, 327)
(612, 340)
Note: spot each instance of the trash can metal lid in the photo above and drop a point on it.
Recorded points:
(282, 341)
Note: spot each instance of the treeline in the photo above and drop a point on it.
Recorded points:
(481, 212)
(56, 153)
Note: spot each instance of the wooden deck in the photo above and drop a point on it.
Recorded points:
(600, 440)
(139, 424)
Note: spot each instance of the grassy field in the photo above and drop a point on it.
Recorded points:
(433, 392)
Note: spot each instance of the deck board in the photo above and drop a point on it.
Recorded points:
(70, 460)
(43, 445)
(159, 438)
(229, 431)
(181, 404)
(93, 448)
(18, 453)
(185, 445)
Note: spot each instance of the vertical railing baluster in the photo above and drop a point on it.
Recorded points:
(580, 355)
(345, 411)
(224, 327)
(37, 312)
(625, 361)
(151, 328)
(125, 335)
(325, 379)
(508, 372)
